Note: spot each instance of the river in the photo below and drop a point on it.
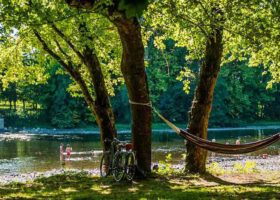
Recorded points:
(29, 151)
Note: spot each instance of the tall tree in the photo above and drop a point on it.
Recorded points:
(203, 98)
(77, 55)
(123, 14)
(207, 29)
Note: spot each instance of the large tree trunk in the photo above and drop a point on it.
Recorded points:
(103, 108)
(202, 103)
(133, 70)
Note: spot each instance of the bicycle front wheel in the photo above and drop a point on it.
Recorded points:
(130, 167)
(105, 165)
(119, 166)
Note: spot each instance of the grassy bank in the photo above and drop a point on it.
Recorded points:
(81, 186)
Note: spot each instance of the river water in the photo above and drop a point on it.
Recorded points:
(25, 152)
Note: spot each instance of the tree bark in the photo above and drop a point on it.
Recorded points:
(202, 103)
(103, 108)
(133, 70)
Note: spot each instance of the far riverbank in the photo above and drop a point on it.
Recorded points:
(124, 129)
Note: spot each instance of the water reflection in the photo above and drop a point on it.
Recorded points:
(23, 153)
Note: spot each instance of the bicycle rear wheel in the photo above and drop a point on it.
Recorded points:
(119, 166)
(130, 166)
(105, 165)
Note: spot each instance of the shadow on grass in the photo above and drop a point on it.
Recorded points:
(81, 186)
(212, 178)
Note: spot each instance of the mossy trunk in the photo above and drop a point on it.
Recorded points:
(202, 103)
(133, 70)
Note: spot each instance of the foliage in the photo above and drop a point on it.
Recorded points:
(251, 30)
(41, 16)
(238, 168)
(215, 168)
(175, 34)
(133, 8)
(165, 166)
(248, 167)
(240, 97)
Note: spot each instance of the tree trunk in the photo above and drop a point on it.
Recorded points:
(100, 104)
(133, 70)
(103, 108)
(102, 112)
(202, 103)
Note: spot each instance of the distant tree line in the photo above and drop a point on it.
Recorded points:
(240, 97)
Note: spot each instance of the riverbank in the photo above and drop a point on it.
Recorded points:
(73, 185)
(125, 129)
(221, 166)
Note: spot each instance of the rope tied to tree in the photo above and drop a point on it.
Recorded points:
(149, 104)
(170, 124)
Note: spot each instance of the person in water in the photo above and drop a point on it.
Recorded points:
(68, 151)
(61, 148)
(237, 142)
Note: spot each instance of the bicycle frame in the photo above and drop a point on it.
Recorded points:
(118, 148)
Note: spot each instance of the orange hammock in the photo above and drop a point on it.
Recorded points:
(227, 148)
(214, 146)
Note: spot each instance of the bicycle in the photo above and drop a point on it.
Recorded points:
(118, 161)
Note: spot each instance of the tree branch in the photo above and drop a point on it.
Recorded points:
(186, 18)
(71, 70)
(78, 67)
(64, 37)
(61, 50)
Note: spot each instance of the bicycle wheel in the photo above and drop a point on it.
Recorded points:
(130, 166)
(105, 165)
(119, 166)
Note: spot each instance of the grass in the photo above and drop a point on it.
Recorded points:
(82, 186)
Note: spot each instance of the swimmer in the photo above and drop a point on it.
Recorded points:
(68, 151)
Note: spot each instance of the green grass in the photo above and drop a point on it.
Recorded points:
(81, 186)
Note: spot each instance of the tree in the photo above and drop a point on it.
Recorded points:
(123, 14)
(80, 61)
(208, 30)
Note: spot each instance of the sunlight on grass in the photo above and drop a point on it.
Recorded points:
(95, 188)
(69, 189)
(133, 189)
(81, 186)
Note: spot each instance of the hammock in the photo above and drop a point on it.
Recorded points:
(214, 146)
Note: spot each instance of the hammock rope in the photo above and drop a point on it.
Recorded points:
(214, 146)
